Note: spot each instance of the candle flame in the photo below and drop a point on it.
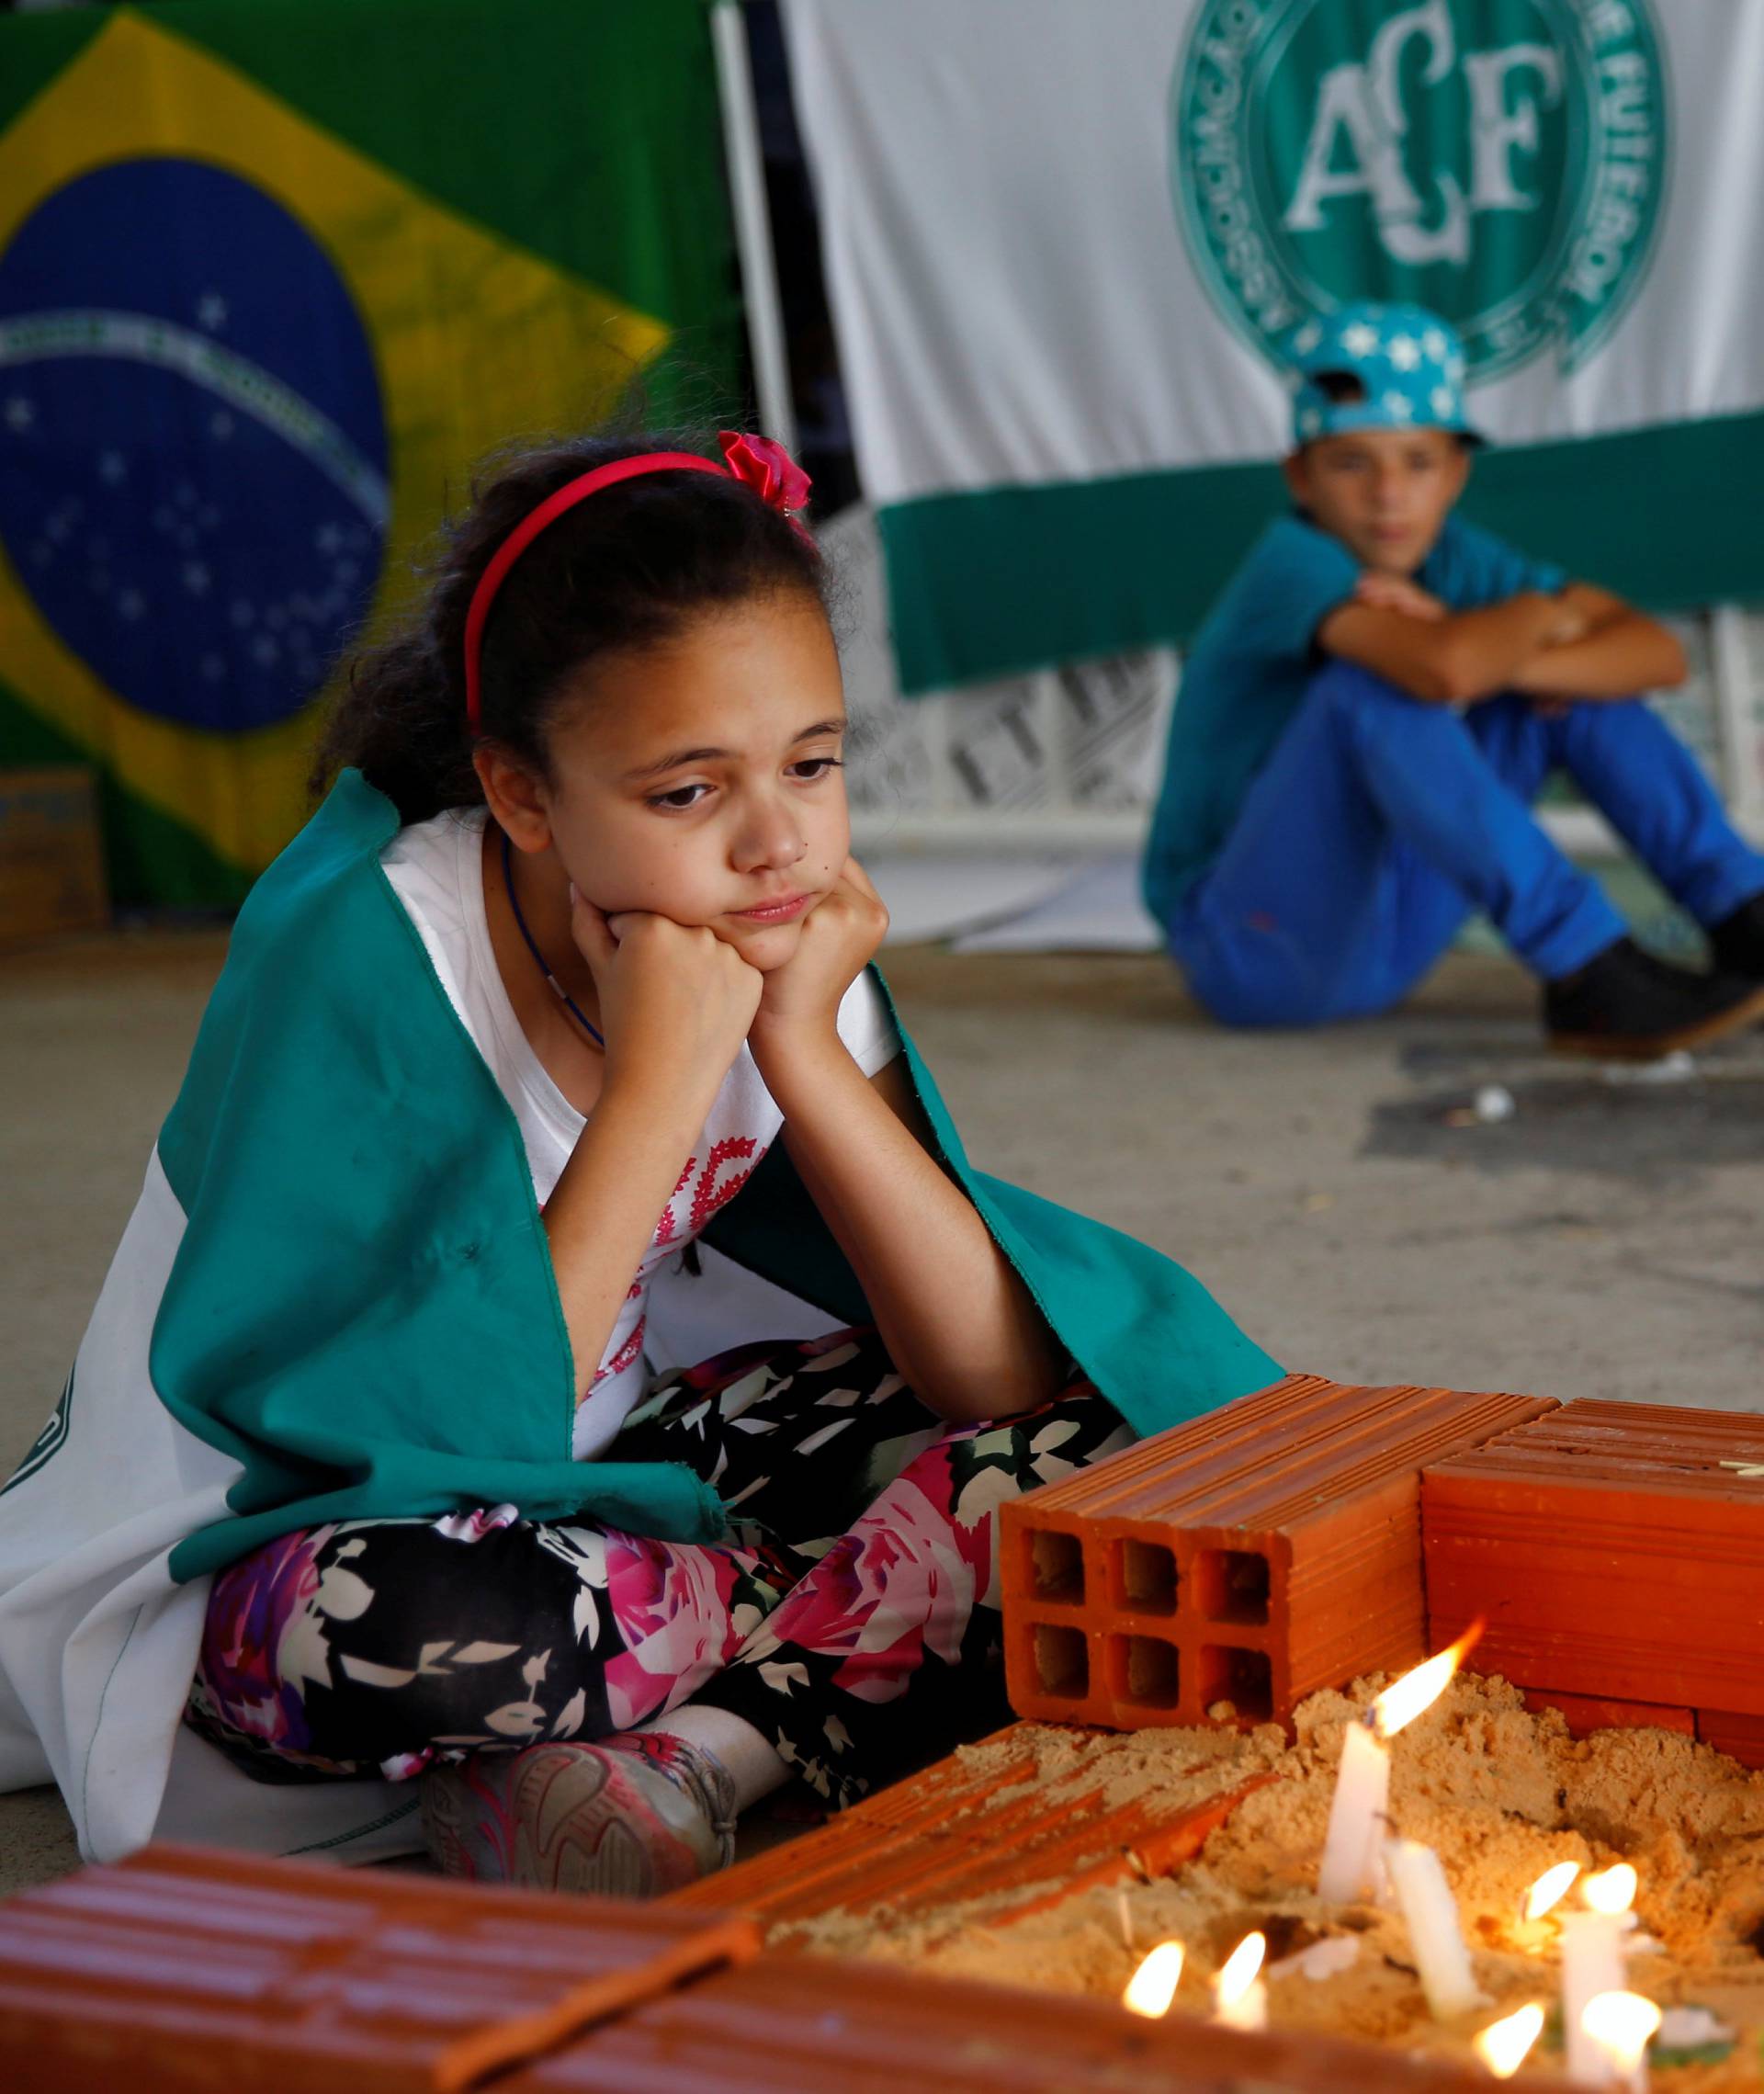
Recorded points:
(1240, 1969)
(1550, 1889)
(1621, 2023)
(1416, 1691)
(1153, 1985)
(1613, 1890)
(1503, 2046)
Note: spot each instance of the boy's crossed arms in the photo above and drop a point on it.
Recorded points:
(1582, 642)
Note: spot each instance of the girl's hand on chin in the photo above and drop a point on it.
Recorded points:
(676, 1002)
(839, 937)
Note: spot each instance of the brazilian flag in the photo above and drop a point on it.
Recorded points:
(273, 273)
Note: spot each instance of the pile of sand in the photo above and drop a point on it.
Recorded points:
(1500, 1794)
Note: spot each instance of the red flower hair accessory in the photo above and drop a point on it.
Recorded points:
(769, 470)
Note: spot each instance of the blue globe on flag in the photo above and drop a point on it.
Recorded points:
(193, 449)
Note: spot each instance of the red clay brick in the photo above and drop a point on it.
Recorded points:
(804, 2024)
(182, 1968)
(1740, 1738)
(1587, 1713)
(1266, 1550)
(1610, 1553)
(949, 1834)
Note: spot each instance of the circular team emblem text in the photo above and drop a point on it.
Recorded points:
(1500, 162)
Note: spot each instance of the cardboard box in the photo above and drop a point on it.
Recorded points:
(51, 861)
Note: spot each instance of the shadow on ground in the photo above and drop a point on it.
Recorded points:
(1652, 1127)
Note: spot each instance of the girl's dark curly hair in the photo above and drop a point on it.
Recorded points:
(628, 568)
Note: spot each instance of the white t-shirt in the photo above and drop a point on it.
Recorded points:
(437, 871)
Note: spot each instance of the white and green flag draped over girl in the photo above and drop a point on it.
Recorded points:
(336, 1300)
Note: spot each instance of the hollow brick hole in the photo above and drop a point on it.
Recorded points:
(1243, 1677)
(1146, 1574)
(1145, 1670)
(1233, 1586)
(1056, 1565)
(1062, 1663)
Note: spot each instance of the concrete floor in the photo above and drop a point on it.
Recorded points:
(1602, 1242)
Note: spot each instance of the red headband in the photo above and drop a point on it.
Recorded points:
(766, 466)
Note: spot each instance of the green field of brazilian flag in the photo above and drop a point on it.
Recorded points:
(273, 273)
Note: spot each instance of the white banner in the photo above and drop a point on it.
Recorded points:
(1064, 240)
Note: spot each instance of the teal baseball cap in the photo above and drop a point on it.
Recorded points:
(1409, 361)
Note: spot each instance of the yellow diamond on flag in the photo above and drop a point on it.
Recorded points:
(203, 489)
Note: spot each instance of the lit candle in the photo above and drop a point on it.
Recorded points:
(1430, 1913)
(1528, 1930)
(1622, 2025)
(1353, 1845)
(1239, 1997)
(1550, 1889)
(1153, 1985)
(1503, 2046)
(1358, 1813)
(1592, 1962)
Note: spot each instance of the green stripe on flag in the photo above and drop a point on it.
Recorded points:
(1011, 579)
(579, 94)
(37, 49)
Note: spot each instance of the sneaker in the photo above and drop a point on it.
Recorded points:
(1626, 1004)
(631, 1817)
(1737, 943)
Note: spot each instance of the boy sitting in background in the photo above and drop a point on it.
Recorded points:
(1370, 710)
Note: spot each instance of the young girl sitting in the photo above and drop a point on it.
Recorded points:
(363, 1473)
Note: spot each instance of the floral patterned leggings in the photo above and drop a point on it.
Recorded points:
(851, 1614)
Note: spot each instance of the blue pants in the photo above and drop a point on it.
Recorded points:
(1380, 823)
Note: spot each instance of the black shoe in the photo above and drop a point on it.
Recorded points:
(1626, 1004)
(1737, 943)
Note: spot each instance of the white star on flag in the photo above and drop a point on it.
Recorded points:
(1444, 400)
(1405, 352)
(1397, 407)
(195, 578)
(1359, 339)
(1455, 369)
(1436, 345)
(131, 603)
(1310, 421)
(20, 412)
(212, 310)
(111, 467)
(1308, 337)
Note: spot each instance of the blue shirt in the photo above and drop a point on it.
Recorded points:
(1251, 662)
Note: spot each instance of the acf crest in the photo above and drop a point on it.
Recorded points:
(1500, 162)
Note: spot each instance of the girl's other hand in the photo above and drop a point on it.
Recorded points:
(676, 1002)
(840, 936)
